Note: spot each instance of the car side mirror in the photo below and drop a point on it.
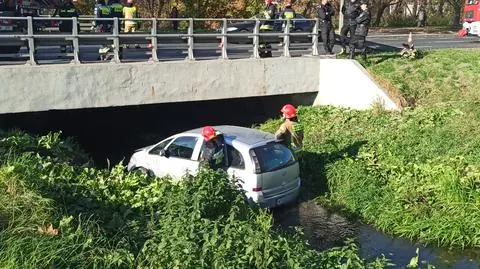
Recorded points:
(164, 152)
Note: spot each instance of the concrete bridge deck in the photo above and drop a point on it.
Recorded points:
(63, 87)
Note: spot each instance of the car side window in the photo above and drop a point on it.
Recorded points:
(182, 147)
(235, 158)
(156, 150)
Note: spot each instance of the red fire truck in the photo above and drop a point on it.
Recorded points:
(471, 18)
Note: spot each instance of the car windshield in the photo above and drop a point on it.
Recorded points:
(273, 156)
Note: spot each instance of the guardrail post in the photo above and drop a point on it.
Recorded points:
(154, 40)
(75, 43)
(224, 39)
(116, 41)
(31, 43)
(315, 38)
(286, 40)
(190, 40)
(256, 45)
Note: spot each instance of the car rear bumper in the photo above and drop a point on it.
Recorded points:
(281, 198)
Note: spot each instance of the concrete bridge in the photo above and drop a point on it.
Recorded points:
(64, 87)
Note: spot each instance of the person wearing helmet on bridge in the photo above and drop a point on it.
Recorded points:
(66, 9)
(269, 12)
(130, 11)
(214, 148)
(291, 130)
(361, 32)
(288, 13)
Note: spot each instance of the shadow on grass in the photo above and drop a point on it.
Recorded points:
(313, 169)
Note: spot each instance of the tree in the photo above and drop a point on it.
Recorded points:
(151, 8)
(457, 6)
(379, 7)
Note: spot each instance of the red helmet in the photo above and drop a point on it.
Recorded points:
(208, 133)
(269, 1)
(289, 111)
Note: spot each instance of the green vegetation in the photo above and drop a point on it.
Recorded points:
(414, 173)
(58, 212)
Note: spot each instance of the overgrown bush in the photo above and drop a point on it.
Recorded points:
(414, 173)
(57, 212)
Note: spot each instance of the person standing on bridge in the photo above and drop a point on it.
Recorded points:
(363, 24)
(101, 11)
(326, 13)
(66, 10)
(350, 11)
(116, 9)
(116, 12)
(288, 13)
(269, 13)
(130, 11)
(291, 130)
(214, 148)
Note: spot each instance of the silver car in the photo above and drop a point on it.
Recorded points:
(267, 170)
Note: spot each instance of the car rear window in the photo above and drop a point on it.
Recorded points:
(273, 156)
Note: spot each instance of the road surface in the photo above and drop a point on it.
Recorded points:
(169, 52)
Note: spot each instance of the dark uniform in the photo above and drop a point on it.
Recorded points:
(214, 152)
(101, 11)
(66, 10)
(116, 9)
(363, 24)
(325, 13)
(350, 11)
(288, 13)
(269, 13)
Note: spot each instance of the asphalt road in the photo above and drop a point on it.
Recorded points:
(376, 43)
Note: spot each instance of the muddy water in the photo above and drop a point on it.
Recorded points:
(324, 229)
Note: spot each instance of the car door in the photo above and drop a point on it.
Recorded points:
(236, 165)
(179, 157)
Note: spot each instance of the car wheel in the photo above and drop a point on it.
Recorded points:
(144, 171)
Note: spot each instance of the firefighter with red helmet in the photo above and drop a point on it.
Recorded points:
(291, 130)
(214, 148)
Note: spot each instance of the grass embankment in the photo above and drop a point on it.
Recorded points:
(57, 212)
(416, 173)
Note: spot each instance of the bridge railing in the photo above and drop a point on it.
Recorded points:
(31, 35)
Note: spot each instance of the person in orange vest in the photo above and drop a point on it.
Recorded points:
(291, 130)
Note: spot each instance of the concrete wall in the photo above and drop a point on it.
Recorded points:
(47, 87)
(354, 88)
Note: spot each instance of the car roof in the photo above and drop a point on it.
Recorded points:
(243, 135)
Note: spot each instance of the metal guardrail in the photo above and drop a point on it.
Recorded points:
(116, 36)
